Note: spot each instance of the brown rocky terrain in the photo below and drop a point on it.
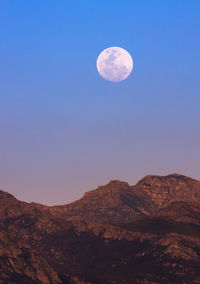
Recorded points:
(119, 202)
(147, 233)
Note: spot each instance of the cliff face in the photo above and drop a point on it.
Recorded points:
(145, 242)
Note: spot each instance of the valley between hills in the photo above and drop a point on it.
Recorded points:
(116, 233)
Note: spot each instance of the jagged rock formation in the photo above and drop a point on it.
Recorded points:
(147, 233)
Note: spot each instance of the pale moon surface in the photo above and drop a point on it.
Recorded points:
(114, 64)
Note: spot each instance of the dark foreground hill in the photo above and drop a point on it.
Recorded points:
(147, 233)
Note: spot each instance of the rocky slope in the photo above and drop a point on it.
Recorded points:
(154, 244)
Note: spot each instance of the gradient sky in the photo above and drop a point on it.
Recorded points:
(65, 130)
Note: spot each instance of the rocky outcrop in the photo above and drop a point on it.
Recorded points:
(164, 190)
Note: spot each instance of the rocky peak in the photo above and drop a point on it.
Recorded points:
(112, 187)
(5, 195)
(166, 189)
(156, 180)
(118, 202)
(7, 201)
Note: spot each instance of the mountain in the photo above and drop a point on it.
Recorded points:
(112, 203)
(159, 242)
(118, 202)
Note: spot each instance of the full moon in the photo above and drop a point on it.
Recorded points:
(114, 64)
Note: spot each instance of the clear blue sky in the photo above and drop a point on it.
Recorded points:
(65, 130)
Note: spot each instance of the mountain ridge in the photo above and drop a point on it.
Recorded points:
(117, 233)
(146, 196)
